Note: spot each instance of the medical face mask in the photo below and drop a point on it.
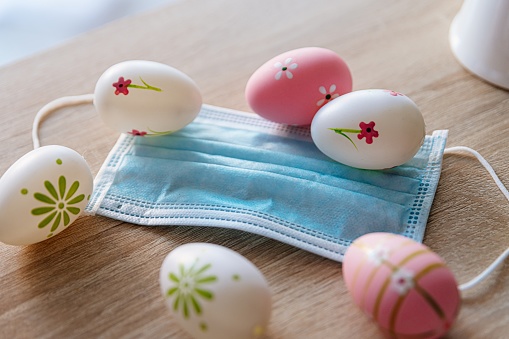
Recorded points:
(236, 170)
(231, 169)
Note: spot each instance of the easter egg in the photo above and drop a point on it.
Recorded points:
(43, 193)
(404, 286)
(146, 98)
(214, 292)
(369, 129)
(291, 87)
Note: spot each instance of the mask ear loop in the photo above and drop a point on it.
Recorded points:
(53, 106)
(503, 189)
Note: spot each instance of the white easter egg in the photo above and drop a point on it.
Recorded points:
(43, 193)
(214, 292)
(369, 129)
(146, 98)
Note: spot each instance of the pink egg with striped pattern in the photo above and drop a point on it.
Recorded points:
(291, 87)
(404, 286)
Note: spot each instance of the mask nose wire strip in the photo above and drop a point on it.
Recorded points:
(53, 106)
(503, 189)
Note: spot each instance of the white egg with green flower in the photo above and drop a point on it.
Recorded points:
(43, 193)
(214, 292)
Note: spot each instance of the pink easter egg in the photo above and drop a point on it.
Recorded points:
(404, 286)
(293, 86)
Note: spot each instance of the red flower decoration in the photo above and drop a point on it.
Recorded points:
(368, 132)
(138, 133)
(393, 93)
(121, 86)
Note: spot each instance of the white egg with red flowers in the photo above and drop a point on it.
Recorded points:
(369, 129)
(146, 98)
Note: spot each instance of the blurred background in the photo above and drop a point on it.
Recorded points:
(30, 26)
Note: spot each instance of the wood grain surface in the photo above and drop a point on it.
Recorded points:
(100, 277)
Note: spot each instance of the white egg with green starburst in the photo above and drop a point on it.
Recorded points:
(214, 292)
(42, 194)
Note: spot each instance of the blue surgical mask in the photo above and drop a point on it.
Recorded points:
(236, 170)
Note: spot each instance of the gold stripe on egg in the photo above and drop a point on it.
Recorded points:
(365, 248)
(379, 298)
(375, 270)
(412, 256)
(421, 292)
(428, 269)
(357, 272)
(429, 299)
(395, 311)
(388, 279)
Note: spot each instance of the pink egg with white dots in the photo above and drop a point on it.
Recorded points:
(404, 286)
(291, 87)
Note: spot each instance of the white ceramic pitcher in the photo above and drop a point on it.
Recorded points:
(479, 38)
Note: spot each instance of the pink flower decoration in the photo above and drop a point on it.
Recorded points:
(368, 132)
(121, 86)
(393, 93)
(138, 133)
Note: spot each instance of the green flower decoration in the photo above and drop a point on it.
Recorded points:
(58, 204)
(189, 288)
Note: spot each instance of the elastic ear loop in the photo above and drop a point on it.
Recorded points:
(503, 189)
(53, 106)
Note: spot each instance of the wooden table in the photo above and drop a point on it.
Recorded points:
(100, 277)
